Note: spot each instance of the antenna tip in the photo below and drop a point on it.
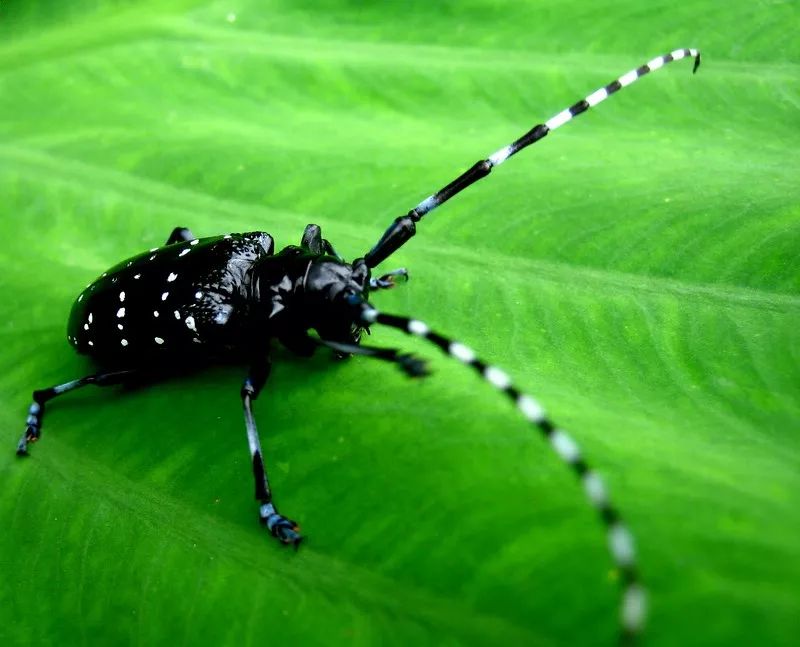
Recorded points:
(696, 63)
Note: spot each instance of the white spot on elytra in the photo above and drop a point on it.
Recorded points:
(185, 251)
(80, 298)
(86, 326)
(172, 276)
(121, 313)
(91, 343)
(105, 273)
(223, 315)
(90, 317)
(190, 323)
(120, 326)
(155, 313)
(152, 258)
(124, 342)
(137, 276)
(158, 340)
(164, 296)
(227, 237)
(177, 314)
(194, 242)
(198, 294)
(122, 296)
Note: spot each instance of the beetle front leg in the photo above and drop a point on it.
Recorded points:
(284, 530)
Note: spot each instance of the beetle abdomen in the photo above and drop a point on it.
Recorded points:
(178, 298)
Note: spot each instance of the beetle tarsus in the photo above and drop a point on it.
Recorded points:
(31, 435)
(33, 430)
(413, 366)
(22, 445)
(284, 530)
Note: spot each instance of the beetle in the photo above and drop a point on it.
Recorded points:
(203, 299)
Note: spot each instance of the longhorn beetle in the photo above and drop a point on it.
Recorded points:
(231, 295)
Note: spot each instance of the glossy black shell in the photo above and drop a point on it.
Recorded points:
(185, 298)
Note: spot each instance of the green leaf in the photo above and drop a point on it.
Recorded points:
(636, 271)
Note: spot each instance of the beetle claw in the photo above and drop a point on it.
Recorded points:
(33, 429)
(413, 366)
(31, 435)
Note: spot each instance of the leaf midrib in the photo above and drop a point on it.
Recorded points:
(556, 272)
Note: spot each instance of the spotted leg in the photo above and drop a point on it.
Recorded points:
(33, 429)
(283, 529)
(180, 235)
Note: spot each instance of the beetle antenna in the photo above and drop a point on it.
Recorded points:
(404, 227)
(620, 540)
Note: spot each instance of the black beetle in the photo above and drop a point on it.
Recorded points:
(231, 295)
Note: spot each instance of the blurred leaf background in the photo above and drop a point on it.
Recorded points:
(636, 271)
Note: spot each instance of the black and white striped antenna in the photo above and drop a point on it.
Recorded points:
(633, 610)
(404, 227)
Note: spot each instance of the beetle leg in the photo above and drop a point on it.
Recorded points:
(180, 235)
(388, 280)
(284, 530)
(33, 429)
(410, 364)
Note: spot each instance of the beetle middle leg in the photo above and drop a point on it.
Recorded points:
(36, 411)
(283, 529)
(180, 235)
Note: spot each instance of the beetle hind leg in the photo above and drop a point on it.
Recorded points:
(33, 429)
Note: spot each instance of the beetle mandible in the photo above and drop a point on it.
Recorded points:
(227, 295)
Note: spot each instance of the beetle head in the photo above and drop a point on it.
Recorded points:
(328, 282)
